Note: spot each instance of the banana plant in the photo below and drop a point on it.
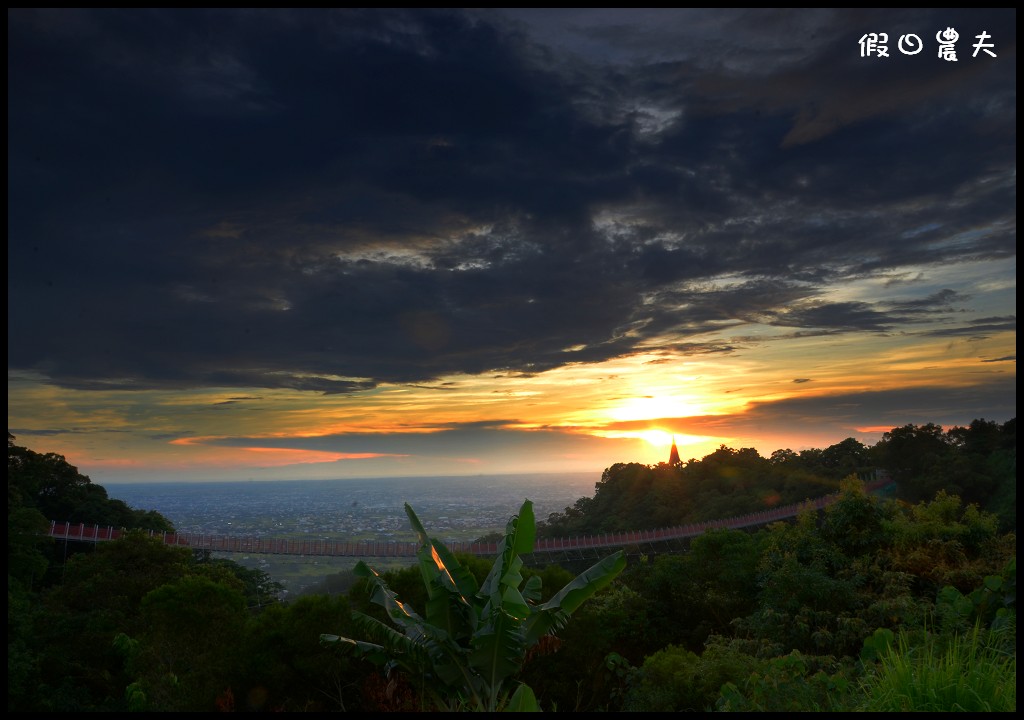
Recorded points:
(468, 649)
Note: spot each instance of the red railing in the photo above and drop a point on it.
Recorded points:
(389, 548)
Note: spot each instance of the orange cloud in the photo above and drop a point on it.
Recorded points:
(273, 457)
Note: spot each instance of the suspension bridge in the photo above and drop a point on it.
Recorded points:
(403, 549)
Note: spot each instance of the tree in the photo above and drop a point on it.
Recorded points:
(848, 457)
(27, 542)
(285, 667)
(809, 592)
(912, 454)
(185, 654)
(469, 649)
(99, 596)
(54, 487)
(854, 522)
(259, 588)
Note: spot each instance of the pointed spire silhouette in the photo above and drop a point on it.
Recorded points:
(673, 455)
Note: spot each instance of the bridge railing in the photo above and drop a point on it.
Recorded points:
(390, 548)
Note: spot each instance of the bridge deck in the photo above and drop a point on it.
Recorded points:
(378, 549)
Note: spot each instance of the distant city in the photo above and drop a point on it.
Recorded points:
(450, 508)
(453, 508)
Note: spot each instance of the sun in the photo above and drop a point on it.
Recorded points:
(657, 438)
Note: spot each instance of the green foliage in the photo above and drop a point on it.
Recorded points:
(54, 487)
(740, 621)
(943, 543)
(577, 671)
(965, 674)
(259, 589)
(468, 649)
(1002, 467)
(678, 680)
(726, 483)
(75, 623)
(23, 655)
(870, 565)
(854, 522)
(668, 681)
(911, 454)
(192, 630)
(688, 597)
(993, 604)
(877, 644)
(180, 616)
(115, 576)
(976, 463)
(27, 544)
(285, 667)
(809, 592)
(790, 683)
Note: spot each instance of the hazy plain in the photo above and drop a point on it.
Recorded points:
(451, 508)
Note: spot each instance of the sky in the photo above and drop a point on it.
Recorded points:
(276, 244)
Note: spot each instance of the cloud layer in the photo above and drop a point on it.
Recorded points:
(217, 211)
(327, 200)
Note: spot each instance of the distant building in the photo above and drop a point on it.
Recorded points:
(673, 455)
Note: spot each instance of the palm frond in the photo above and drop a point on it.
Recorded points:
(555, 612)
(498, 649)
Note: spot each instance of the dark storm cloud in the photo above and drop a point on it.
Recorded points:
(780, 303)
(327, 200)
(943, 301)
(994, 398)
(981, 327)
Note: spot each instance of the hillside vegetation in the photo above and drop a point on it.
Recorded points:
(977, 463)
(901, 603)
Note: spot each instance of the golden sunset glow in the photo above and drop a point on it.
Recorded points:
(599, 401)
(657, 438)
(274, 457)
(650, 407)
(514, 246)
